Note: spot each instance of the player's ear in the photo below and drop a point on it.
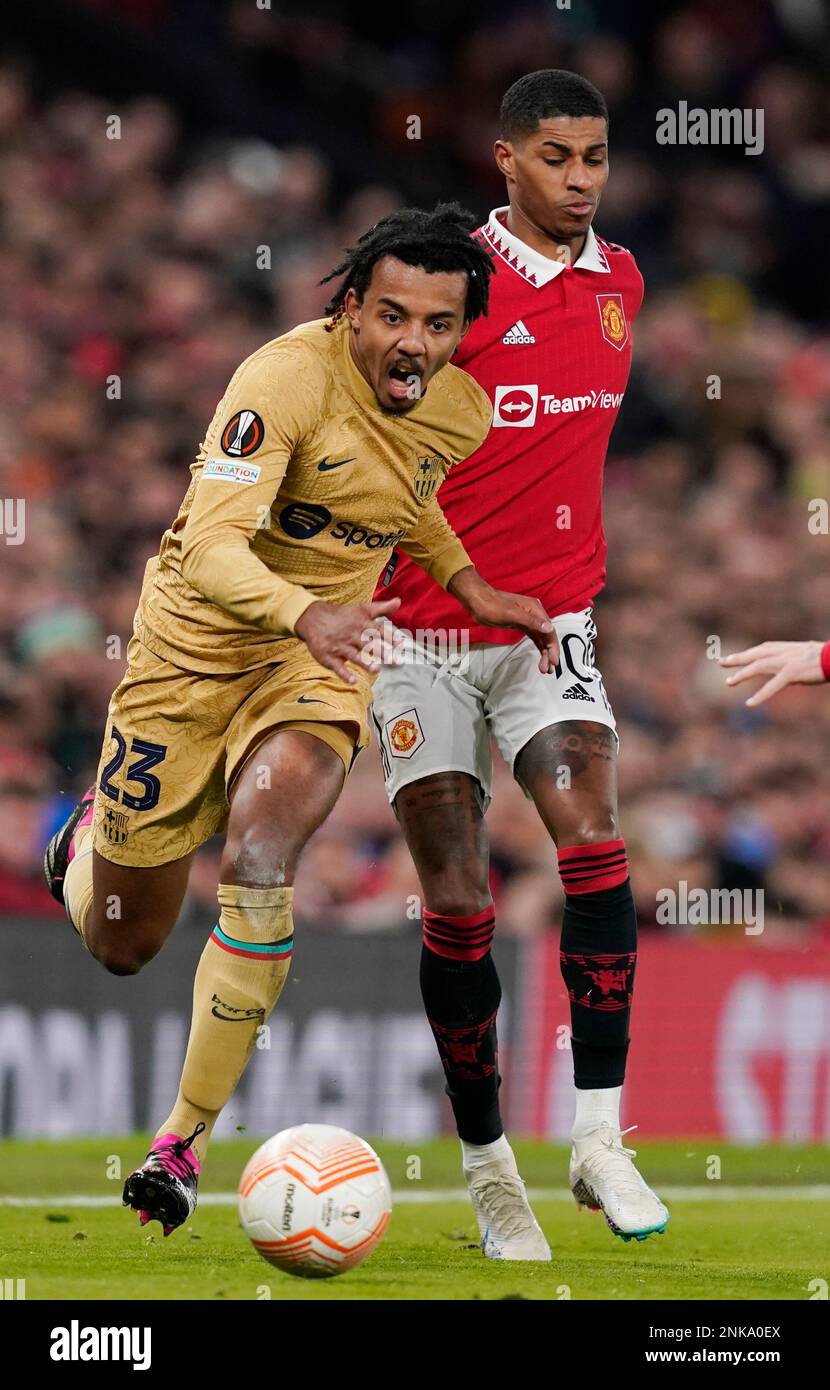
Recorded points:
(353, 308)
(464, 329)
(503, 155)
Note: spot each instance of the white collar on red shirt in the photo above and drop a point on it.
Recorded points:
(537, 269)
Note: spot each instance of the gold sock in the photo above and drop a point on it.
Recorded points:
(238, 981)
(77, 882)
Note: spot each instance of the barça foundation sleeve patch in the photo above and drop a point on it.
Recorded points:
(231, 472)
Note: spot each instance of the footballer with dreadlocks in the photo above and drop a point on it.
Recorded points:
(256, 633)
(553, 355)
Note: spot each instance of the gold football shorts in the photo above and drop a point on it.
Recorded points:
(176, 739)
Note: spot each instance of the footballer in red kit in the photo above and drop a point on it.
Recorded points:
(554, 356)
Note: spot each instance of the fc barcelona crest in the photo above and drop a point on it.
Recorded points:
(612, 319)
(428, 475)
(115, 825)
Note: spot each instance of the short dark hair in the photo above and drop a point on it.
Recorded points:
(436, 241)
(538, 96)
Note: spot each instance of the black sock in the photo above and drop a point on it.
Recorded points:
(598, 954)
(461, 998)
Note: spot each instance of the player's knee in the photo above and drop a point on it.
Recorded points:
(118, 964)
(119, 958)
(458, 891)
(594, 828)
(122, 954)
(253, 858)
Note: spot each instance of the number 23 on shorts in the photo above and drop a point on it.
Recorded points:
(149, 755)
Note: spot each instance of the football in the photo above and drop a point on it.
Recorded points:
(314, 1200)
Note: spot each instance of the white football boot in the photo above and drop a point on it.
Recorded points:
(508, 1228)
(603, 1178)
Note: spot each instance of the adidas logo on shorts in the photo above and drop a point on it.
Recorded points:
(518, 334)
(577, 692)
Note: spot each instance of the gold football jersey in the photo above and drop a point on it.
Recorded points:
(302, 488)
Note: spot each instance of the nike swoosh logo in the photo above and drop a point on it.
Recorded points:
(239, 1016)
(324, 466)
(305, 700)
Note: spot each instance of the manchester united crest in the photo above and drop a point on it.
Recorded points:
(428, 475)
(612, 319)
(404, 734)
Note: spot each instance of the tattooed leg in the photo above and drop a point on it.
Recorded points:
(443, 822)
(570, 771)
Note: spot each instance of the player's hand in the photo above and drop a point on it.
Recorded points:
(496, 608)
(337, 633)
(786, 663)
(528, 615)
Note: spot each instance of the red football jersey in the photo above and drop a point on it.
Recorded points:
(553, 354)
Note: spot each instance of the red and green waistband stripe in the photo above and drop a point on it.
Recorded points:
(253, 950)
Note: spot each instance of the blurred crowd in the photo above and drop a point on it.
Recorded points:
(137, 272)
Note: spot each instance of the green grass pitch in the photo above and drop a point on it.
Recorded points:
(747, 1245)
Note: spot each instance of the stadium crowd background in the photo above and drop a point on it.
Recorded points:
(243, 128)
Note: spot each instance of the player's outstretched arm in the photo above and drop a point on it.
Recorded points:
(496, 608)
(336, 634)
(785, 663)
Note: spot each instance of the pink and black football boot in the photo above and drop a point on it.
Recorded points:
(164, 1187)
(60, 850)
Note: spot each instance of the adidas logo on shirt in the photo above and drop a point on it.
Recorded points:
(577, 692)
(518, 334)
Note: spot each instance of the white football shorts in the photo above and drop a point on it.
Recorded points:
(436, 710)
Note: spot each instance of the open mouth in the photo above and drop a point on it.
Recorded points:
(404, 383)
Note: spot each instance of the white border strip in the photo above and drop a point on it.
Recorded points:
(414, 1196)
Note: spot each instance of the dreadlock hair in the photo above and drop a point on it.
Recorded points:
(436, 241)
(538, 96)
